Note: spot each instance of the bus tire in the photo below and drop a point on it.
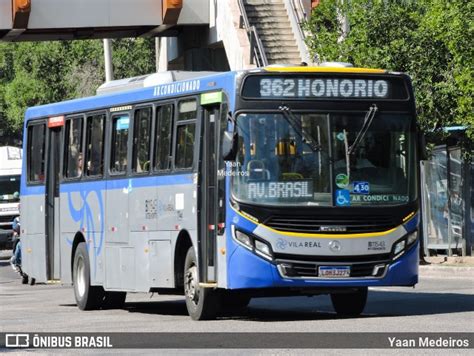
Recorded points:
(114, 300)
(87, 297)
(350, 304)
(202, 303)
(32, 281)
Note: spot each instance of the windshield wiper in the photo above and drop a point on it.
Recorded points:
(294, 123)
(369, 116)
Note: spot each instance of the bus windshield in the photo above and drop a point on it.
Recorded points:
(9, 188)
(286, 160)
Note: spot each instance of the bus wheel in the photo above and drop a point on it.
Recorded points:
(350, 304)
(87, 297)
(32, 281)
(202, 303)
(114, 300)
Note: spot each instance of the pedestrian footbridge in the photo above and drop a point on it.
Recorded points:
(195, 34)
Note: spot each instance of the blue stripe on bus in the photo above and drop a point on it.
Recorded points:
(135, 182)
(32, 190)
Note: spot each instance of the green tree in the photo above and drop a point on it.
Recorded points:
(431, 40)
(133, 57)
(45, 72)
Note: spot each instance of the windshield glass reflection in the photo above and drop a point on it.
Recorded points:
(289, 162)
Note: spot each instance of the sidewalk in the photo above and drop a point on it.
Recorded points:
(448, 267)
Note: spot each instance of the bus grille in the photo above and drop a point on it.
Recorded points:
(333, 224)
(310, 270)
(6, 221)
(340, 260)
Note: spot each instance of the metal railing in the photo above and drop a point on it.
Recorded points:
(299, 16)
(257, 52)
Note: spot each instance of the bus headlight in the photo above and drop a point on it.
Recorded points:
(402, 245)
(399, 247)
(244, 239)
(263, 249)
(412, 238)
(251, 243)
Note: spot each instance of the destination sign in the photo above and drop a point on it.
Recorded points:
(276, 87)
(280, 190)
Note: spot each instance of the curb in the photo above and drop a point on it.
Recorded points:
(463, 272)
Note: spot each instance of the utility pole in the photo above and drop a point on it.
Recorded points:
(109, 71)
(157, 53)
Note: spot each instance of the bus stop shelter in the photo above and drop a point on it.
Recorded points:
(448, 195)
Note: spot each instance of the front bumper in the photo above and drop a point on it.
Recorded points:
(248, 271)
(6, 239)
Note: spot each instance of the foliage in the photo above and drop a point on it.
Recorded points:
(44, 72)
(431, 40)
(133, 57)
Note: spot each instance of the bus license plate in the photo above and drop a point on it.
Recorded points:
(334, 272)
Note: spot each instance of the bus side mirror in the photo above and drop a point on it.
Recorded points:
(229, 146)
(422, 146)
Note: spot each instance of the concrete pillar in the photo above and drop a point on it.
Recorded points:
(109, 71)
(163, 55)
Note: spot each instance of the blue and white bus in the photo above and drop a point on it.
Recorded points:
(270, 182)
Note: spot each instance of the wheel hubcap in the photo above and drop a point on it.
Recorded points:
(191, 284)
(80, 277)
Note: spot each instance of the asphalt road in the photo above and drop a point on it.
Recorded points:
(435, 305)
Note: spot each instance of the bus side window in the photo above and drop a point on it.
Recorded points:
(164, 130)
(141, 140)
(95, 145)
(185, 134)
(74, 160)
(185, 146)
(118, 157)
(35, 153)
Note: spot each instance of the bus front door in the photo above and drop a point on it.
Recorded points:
(208, 195)
(52, 204)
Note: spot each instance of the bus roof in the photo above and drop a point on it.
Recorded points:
(181, 87)
(221, 80)
(149, 80)
(323, 69)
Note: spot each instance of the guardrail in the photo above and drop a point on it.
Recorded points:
(257, 52)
